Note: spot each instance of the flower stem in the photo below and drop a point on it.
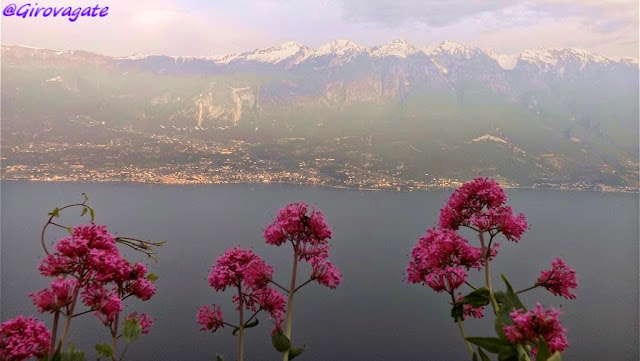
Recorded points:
(529, 288)
(54, 331)
(464, 335)
(67, 323)
(114, 336)
(292, 290)
(124, 351)
(487, 272)
(241, 327)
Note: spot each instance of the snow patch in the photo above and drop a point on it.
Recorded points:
(442, 68)
(135, 57)
(338, 47)
(279, 53)
(397, 48)
(506, 61)
(490, 137)
(453, 48)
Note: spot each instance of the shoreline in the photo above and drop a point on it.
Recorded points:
(335, 187)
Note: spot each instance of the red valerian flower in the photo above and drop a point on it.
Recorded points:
(559, 279)
(480, 204)
(22, 338)
(210, 318)
(440, 260)
(530, 325)
(325, 273)
(309, 233)
(250, 275)
(58, 295)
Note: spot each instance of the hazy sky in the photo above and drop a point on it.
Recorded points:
(210, 27)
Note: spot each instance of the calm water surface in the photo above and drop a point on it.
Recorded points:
(373, 315)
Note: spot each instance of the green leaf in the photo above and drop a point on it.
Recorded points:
(508, 354)
(55, 212)
(522, 354)
(555, 357)
(132, 330)
(296, 351)
(104, 350)
(457, 312)
(235, 331)
(511, 295)
(72, 354)
(93, 215)
(543, 350)
(70, 230)
(502, 319)
(478, 298)
(254, 323)
(84, 211)
(508, 301)
(483, 356)
(84, 195)
(152, 277)
(57, 356)
(491, 344)
(280, 341)
(219, 358)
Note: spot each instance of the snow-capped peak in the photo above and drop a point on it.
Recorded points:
(135, 57)
(628, 61)
(338, 47)
(537, 56)
(286, 50)
(453, 48)
(563, 56)
(398, 48)
(506, 61)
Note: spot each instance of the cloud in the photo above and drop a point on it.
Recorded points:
(435, 13)
(141, 26)
(202, 27)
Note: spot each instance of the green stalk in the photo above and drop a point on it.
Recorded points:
(487, 272)
(241, 331)
(54, 331)
(67, 323)
(464, 335)
(114, 336)
(292, 290)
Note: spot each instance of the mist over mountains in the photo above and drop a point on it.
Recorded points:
(544, 117)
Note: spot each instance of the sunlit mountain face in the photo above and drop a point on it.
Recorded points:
(544, 117)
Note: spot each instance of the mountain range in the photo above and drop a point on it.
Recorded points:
(540, 117)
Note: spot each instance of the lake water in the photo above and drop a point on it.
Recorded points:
(373, 315)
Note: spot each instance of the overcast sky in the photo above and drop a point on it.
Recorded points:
(210, 27)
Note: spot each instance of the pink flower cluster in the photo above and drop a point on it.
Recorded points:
(309, 235)
(250, 275)
(22, 338)
(88, 263)
(530, 325)
(559, 279)
(58, 295)
(210, 318)
(480, 204)
(441, 260)
(325, 273)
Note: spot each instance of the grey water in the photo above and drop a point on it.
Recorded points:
(374, 315)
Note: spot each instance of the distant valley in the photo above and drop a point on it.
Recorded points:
(387, 117)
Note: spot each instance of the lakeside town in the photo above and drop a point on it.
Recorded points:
(96, 153)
